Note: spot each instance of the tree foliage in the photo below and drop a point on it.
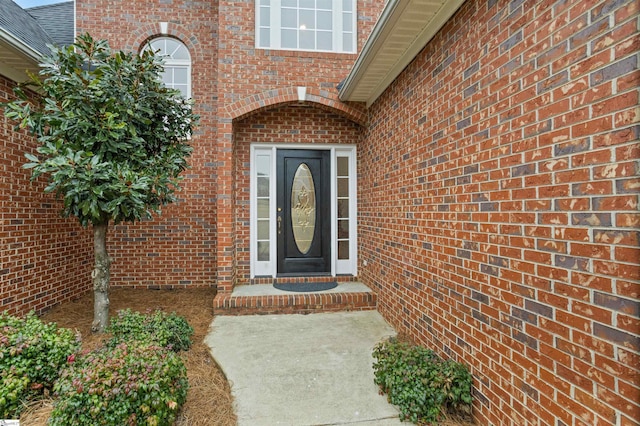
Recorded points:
(113, 139)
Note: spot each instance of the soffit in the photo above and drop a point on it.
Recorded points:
(404, 28)
(14, 63)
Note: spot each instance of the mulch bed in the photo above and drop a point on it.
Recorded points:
(209, 401)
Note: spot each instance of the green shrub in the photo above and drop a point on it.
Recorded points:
(130, 384)
(420, 383)
(167, 330)
(31, 356)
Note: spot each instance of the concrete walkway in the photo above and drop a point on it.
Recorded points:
(303, 370)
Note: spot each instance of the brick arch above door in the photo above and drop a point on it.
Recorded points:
(277, 97)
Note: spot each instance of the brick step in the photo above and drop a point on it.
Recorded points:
(265, 299)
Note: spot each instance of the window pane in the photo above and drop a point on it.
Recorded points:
(307, 40)
(347, 22)
(309, 4)
(289, 18)
(324, 4)
(263, 251)
(265, 17)
(289, 39)
(180, 75)
(343, 166)
(182, 88)
(263, 209)
(324, 20)
(343, 187)
(307, 20)
(263, 186)
(263, 165)
(347, 43)
(181, 53)
(290, 3)
(343, 250)
(265, 37)
(347, 5)
(343, 229)
(263, 229)
(325, 40)
(167, 76)
(171, 46)
(343, 208)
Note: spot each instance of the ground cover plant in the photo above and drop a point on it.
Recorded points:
(129, 384)
(425, 387)
(32, 353)
(170, 331)
(208, 400)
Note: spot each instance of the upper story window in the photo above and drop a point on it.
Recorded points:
(315, 25)
(177, 63)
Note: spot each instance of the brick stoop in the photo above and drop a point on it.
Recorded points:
(265, 299)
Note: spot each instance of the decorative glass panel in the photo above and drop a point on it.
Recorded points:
(263, 251)
(343, 208)
(263, 229)
(343, 187)
(263, 165)
(343, 229)
(263, 186)
(303, 208)
(343, 250)
(343, 166)
(263, 209)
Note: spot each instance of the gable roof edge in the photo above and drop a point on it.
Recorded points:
(393, 12)
(20, 46)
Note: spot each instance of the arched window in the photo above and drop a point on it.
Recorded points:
(177, 63)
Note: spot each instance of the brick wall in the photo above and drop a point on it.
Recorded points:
(44, 259)
(178, 247)
(499, 207)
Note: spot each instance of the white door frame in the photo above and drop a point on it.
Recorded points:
(266, 154)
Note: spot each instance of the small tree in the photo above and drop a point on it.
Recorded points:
(113, 140)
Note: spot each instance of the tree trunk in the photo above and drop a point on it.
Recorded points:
(100, 277)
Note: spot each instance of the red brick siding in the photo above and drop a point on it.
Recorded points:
(44, 259)
(498, 207)
(178, 247)
(289, 124)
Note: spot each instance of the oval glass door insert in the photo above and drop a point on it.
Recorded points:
(303, 208)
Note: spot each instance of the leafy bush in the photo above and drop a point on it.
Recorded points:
(167, 330)
(31, 356)
(420, 383)
(129, 384)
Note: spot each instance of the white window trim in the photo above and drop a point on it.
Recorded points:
(337, 32)
(338, 267)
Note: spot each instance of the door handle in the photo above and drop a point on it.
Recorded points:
(279, 225)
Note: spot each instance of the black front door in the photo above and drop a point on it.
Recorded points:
(303, 213)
